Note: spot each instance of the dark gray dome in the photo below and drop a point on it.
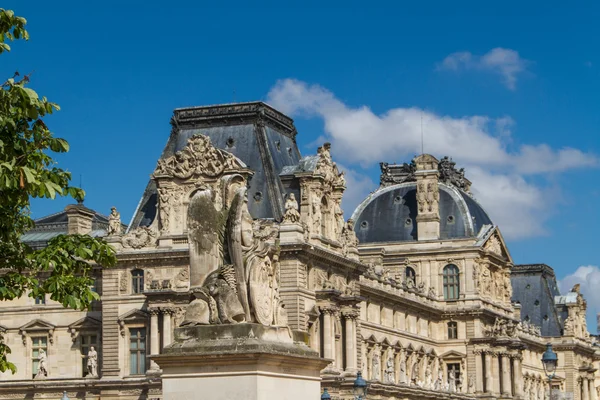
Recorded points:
(389, 214)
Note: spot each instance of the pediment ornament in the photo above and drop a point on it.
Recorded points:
(84, 324)
(37, 325)
(199, 157)
(494, 245)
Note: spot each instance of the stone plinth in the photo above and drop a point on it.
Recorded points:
(242, 361)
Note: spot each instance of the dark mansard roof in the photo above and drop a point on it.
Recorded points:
(535, 288)
(262, 137)
(56, 224)
(389, 213)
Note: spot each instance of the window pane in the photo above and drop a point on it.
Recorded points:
(133, 365)
(142, 363)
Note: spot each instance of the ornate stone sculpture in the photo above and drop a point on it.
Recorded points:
(42, 367)
(414, 376)
(493, 245)
(197, 158)
(114, 222)
(428, 375)
(316, 216)
(452, 176)
(390, 372)
(291, 210)
(182, 280)
(376, 366)
(471, 383)
(141, 237)
(339, 219)
(439, 382)
(402, 377)
(451, 381)
(92, 362)
(233, 277)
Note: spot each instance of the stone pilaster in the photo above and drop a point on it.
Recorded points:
(154, 338)
(518, 376)
(489, 376)
(506, 378)
(428, 215)
(479, 376)
(167, 326)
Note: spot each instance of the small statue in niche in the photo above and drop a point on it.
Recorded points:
(390, 372)
(114, 222)
(291, 210)
(42, 367)
(402, 377)
(376, 367)
(92, 362)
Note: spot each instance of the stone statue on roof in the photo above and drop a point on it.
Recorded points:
(114, 222)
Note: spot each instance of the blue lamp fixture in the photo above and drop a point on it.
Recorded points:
(325, 395)
(65, 397)
(549, 360)
(360, 387)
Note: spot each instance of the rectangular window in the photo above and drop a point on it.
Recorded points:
(137, 351)
(40, 300)
(452, 330)
(87, 341)
(137, 281)
(38, 344)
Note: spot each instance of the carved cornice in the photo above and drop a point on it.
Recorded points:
(233, 114)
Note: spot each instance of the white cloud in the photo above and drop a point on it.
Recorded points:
(589, 278)
(502, 178)
(505, 62)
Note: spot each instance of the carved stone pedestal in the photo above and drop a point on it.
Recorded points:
(241, 361)
(291, 233)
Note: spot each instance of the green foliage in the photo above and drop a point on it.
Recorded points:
(64, 268)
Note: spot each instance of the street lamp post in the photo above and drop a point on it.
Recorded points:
(360, 387)
(549, 361)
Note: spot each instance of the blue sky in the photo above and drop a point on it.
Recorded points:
(511, 91)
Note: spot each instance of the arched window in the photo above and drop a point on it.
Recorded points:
(451, 282)
(410, 275)
(452, 330)
(137, 281)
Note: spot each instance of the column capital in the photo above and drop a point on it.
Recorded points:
(154, 311)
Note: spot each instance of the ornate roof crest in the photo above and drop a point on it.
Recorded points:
(198, 157)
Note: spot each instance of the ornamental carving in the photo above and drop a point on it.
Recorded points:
(502, 328)
(393, 174)
(493, 245)
(199, 157)
(452, 176)
(144, 236)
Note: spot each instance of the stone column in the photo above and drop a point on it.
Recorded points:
(593, 394)
(518, 376)
(506, 381)
(586, 389)
(327, 334)
(154, 339)
(167, 320)
(350, 342)
(479, 377)
(489, 377)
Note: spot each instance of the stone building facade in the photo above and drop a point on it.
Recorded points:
(417, 290)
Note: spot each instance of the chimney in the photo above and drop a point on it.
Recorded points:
(79, 219)
(428, 196)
